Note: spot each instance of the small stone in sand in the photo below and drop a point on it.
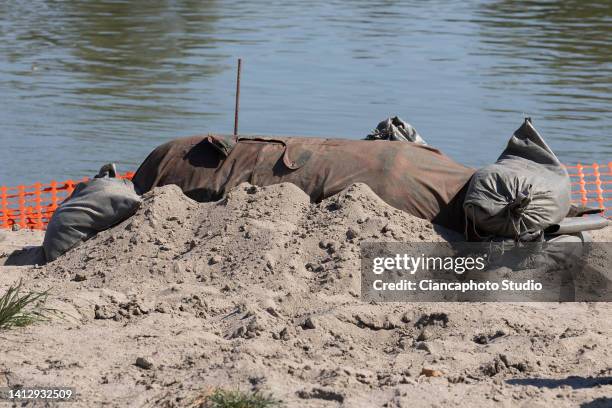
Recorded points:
(308, 324)
(430, 372)
(351, 234)
(79, 277)
(143, 363)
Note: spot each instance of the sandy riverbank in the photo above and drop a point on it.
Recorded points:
(260, 292)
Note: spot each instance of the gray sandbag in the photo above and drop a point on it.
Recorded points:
(95, 205)
(523, 193)
(395, 129)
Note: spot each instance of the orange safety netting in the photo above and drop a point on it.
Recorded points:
(592, 185)
(32, 206)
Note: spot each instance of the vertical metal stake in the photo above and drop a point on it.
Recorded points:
(237, 108)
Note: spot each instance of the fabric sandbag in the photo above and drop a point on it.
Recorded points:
(411, 177)
(523, 193)
(395, 129)
(94, 206)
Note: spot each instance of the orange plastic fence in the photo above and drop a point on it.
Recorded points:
(592, 185)
(32, 206)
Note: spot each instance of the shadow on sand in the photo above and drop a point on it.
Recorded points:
(602, 402)
(573, 381)
(33, 255)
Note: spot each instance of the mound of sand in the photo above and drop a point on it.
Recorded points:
(260, 291)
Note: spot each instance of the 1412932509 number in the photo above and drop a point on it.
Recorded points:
(43, 393)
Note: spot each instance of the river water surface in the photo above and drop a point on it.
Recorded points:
(87, 82)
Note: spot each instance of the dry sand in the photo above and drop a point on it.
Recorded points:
(260, 292)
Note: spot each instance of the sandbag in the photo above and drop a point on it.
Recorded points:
(523, 193)
(93, 206)
(412, 177)
(395, 129)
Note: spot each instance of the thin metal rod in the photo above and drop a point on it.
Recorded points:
(237, 108)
